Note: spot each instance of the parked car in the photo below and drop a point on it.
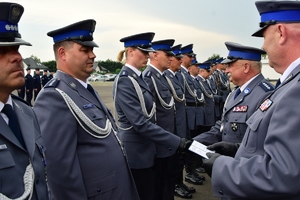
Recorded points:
(110, 77)
(98, 77)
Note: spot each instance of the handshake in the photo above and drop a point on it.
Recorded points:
(184, 145)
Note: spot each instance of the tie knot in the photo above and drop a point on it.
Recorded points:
(238, 91)
(7, 109)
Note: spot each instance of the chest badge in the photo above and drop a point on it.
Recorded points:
(234, 126)
(240, 109)
(265, 105)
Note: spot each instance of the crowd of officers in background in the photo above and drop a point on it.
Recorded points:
(34, 84)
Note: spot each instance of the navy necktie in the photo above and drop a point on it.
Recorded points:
(277, 83)
(91, 90)
(13, 123)
(238, 91)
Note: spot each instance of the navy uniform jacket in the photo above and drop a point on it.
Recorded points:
(165, 118)
(266, 165)
(217, 98)
(139, 141)
(194, 114)
(181, 122)
(45, 80)
(223, 84)
(14, 158)
(81, 166)
(236, 112)
(37, 82)
(28, 82)
(209, 101)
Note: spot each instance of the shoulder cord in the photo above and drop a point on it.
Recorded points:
(193, 94)
(204, 90)
(141, 99)
(174, 92)
(78, 114)
(225, 84)
(162, 102)
(223, 113)
(28, 180)
(214, 92)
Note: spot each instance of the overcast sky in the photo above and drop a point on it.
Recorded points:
(205, 23)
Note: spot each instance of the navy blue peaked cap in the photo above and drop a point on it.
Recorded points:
(80, 32)
(241, 52)
(177, 51)
(204, 65)
(272, 12)
(141, 41)
(10, 15)
(188, 50)
(164, 45)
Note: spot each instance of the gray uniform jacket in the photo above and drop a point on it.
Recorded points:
(266, 166)
(217, 98)
(236, 112)
(81, 166)
(181, 122)
(209, 117)
(194, 114)
(14, 158)
(222, 84)
(139, 141)
(165, 117)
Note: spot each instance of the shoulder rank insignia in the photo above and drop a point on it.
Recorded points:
(148, 74)
(265, 105)
(240, 109)
(52, 83)
(124, 73)
(266, 86)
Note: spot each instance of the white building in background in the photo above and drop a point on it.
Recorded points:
(268, 72)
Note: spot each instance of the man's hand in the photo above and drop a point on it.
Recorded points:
(184, 145)
(208, 163)
(224, 148)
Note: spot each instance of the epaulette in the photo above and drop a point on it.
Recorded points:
(266, 86)
(123, 73)
(148, 74)
(52, 83)
(19, 99)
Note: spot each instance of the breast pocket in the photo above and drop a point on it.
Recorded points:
(251, 136)
(238, 125)
(100, 185)
(6, 159)
(165, 95)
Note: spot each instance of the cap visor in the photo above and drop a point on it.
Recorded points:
(226, 61)
(87, 43)
(259, 33)
(170, 53)
(178, 56)
(149, 49)
(17, 42)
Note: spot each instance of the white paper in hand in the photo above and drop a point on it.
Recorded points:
(199, 149)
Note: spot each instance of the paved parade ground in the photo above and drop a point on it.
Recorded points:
(203, 192)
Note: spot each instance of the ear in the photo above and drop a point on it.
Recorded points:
(62, 53)
(282, 33)
(247, 67)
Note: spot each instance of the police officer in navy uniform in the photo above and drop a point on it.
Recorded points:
(269, 152)
(21, 91)
(192, 106)
(165, 115)
(36, 83)
(136, 112)
(22, 158)
(252, 89)
(85, 157)
(51, 74)
(45, 78)
(28, 86)
(181, 128)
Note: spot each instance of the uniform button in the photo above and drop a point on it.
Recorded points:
(169, 149)
(220, 192)
(94, 116)
(98, 190)
(224, 133)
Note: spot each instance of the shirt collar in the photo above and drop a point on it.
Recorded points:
(9, 101)
(155, 69)
(138, 72)
(171, 72)
(247, 83)
(290, 68)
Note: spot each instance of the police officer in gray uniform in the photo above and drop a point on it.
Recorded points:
(252, 88)
(85, 157)
(22, 158)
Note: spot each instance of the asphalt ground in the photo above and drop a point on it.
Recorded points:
(203, 192)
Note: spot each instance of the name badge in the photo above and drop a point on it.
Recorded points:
(90, 105)
(240, 109)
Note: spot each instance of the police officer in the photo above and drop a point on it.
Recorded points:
(160, 61)
(136, 112)
(85, 157)
(194, 107)
(244, 67)
(28, 86)
(36, 83)
(22, 168)
(21, 91)
(45, 78)
(51, 74)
